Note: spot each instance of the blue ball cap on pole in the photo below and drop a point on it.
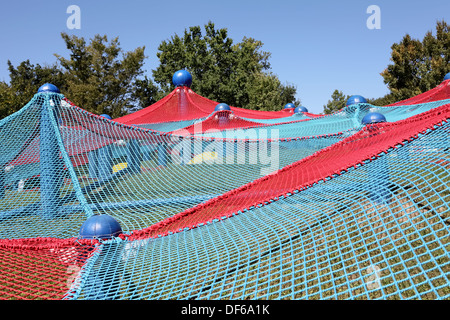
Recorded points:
(289, 106)
(222, 107)
(100, 227)
(355, 99)
(373, 117)
(447, 76)
(300, 109)
(107, 116)
(182, 78)
(48, 87)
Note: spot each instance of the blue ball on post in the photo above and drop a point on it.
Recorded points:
(447, 76)
(102, 227)
(48, 87)
(107, 116)
(223, 115)
(300, 109)
(182, 78)
(289, 106)
(373, 117)
(355, 99)
(222, 107)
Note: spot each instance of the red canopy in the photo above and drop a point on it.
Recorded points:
(184, 104)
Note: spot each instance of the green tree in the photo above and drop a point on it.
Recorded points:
(222, 71)
(6, 100)
(146, 93)
(337, 102)
(436, 56)
(25, 80)
(417, 65)
(99, 76)
(382, 101)
(266, 92)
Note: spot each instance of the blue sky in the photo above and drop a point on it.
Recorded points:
(318, 46)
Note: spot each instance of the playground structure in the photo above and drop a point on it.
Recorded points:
(194, 199)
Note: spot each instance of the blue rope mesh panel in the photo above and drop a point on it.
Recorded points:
(37, 174)
(346, 120)
(139, 176)
(330, 241)
(294, 117)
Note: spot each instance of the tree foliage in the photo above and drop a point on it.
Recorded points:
(238, 74)
(337, 102)
(99, 76)
(418, 66)
(268, 93)
(25, 80)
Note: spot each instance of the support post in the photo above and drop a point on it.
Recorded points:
(105, 162)
(134, 156)
(223, 118)
(182, 103)
(50, 164)
(162, 154)
(2, 183)
(93, 164)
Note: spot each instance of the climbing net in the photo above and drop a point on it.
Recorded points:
(226, 204)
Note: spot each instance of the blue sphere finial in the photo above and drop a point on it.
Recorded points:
(182, 78)
(222, 107)
(100, 227)
(447, 76)
(289, 105)
(373, 117)
(107, 116)
(300, 109)
(48, 87)
(355, 100)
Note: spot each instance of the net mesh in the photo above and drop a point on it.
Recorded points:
(220, 205)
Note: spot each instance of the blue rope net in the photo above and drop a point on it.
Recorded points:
(97, 166)
(379, 230)
(330, 241)
(346, 120)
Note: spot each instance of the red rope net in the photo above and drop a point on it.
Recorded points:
(440, 92)
(184, 104)
(40, 268)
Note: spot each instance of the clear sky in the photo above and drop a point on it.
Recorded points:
(318, 46)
